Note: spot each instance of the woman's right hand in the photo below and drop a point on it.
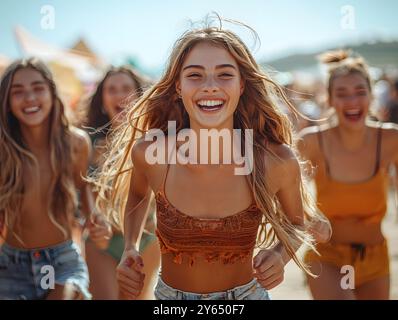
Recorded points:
(129, 274)
(321, 231)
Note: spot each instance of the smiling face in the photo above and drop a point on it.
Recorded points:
(30, 97)
(351, 98)
(117, 87)
(210, 86)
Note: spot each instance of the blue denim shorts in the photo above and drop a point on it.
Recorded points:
(29, 274)
(250, 291)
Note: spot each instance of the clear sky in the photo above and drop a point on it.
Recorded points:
(146, 29)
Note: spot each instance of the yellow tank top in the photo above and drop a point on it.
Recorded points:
(366, 200)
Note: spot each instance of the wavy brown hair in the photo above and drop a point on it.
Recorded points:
(257, 110)
(15, 154)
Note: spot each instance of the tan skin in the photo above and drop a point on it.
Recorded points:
(350, 149)
(102, 266)
(211, 191)
(29, 89)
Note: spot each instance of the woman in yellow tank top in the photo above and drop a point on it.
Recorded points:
(350, 162)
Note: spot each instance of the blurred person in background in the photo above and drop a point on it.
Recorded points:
(104, 111)
(351, 159)
(43, 159)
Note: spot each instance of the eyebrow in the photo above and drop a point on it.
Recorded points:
(220, 66)
(18, 85)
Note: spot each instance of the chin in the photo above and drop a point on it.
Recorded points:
(32, 123)
(206, 124)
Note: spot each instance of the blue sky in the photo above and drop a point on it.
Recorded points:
(147, 29)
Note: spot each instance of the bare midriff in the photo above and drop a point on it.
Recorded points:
(205, 277)
(353, 230)
(37, 232)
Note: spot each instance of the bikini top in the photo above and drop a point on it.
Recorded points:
(366, 200)
(226, 239)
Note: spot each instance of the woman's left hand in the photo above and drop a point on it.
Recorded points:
(269, 268)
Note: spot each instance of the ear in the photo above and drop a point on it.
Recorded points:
(242, 86)
(178, 86)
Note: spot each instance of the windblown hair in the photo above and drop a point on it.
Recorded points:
(15, 154)
(342, 63)
(257, 110)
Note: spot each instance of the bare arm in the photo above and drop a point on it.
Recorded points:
(99, 229)
(285, 178)
(309, 151)
(130, 269)
(308, 146)
(289, 196)
(83, 151)
(138, 199)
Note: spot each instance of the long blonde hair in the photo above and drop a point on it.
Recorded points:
(257, 110)
(15, 154)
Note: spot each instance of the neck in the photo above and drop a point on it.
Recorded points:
(36, 138)
(352, 140)
(213, 140)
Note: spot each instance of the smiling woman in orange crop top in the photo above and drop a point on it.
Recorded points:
(351, 162)
(208, 217)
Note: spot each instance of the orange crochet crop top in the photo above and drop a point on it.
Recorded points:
(365, 200)
(227, 239)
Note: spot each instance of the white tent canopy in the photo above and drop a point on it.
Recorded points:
(86, 68)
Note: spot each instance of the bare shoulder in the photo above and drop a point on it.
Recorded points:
(81, 154)
(138, 152)
(80, 140)
(282, 151)
(390, 139)
(283, 166)
(149, 159)
(149, 151)
(307, 141)
(390, 131)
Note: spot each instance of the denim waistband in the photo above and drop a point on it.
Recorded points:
(230, 294)
(22, 254)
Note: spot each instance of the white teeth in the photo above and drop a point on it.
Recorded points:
(31, 109)
(353, 112)
(210, 103)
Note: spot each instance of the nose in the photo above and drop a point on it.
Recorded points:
(210, 85)
(30, 96)
(351, 99)
(119, 96)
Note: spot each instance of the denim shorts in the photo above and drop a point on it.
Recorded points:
(250, 291)
(29, 274)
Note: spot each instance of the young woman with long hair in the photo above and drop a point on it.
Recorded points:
(208, 217)
(43, 160)
(104, 111)
(350, 157)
